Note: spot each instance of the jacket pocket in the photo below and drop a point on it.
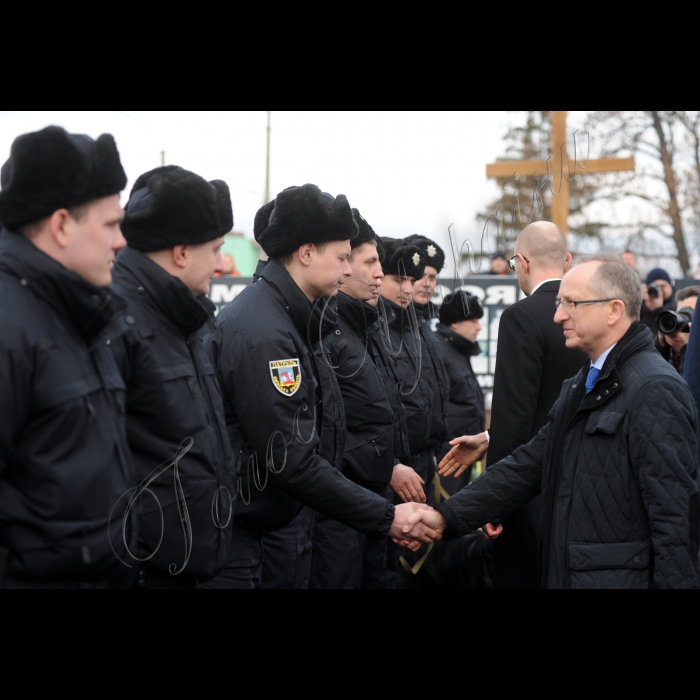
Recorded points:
(606, 422)
(616, 555)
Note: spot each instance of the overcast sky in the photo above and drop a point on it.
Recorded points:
(407, 172)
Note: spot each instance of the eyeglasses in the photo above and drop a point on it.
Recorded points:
(576, 304)
(511, 262)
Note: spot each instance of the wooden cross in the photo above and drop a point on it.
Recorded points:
(559, 184)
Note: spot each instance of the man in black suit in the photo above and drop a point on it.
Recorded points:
(533, 362)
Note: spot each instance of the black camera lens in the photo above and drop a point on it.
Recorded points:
(654, 291)
(671, 322)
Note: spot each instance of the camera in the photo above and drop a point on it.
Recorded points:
(654, 291)
(671, 322)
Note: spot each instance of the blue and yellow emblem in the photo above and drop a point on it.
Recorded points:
(286, 376)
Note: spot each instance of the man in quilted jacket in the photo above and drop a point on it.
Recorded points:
(617, 463)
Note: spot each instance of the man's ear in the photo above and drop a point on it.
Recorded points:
(59, 226)
(569, 259)
(617, 312)
(305, 252)
(180, 255)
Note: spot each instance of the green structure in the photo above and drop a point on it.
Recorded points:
(245, 253)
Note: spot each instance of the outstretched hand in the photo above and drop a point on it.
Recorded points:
(465, 451)
(428, 520)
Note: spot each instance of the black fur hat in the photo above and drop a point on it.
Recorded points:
(262, 219)
(433, 252)
(460, 306)
(306, 215)
(366, 233)
(403, 259)
(52, 169)
(172, 206)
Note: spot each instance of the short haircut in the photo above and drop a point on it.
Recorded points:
(373, 242)
(688, 292)
(33, 229)
(614, 279)
(287, 259)
(629, 252)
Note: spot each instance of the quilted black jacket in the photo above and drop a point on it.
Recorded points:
(618, 471)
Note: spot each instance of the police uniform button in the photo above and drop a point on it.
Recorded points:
(581, 562)
(615, 386)
(574, 386)
(607, 393)
(24, 283)
(339, 332)
(141, 290)
(637, 560)
(109, 342)
(130, 320)
(598, 398)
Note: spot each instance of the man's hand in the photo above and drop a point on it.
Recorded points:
(491, 531)
(407, 484)
(416, 533)
(678, 340)
(423, 520)
(466, 450)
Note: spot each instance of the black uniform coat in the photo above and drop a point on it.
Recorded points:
(403, 340)
(466, 414)
(435, 373)
(369, 416)
(272, 322)
(618, 471)
(64, 459)
(533, 362)
(173, 396)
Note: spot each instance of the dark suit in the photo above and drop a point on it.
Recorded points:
(533, 362)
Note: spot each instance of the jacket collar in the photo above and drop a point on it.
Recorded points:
(396, 316)
(425, 312)
(87, 307)
(464, 346)
(358, 314)
(637, 339)
(311, 320)
(160, 290)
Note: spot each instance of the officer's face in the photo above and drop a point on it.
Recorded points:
(202, 262)
(367, 274)
(398, 289)
(468, 329)
(424, 289)
(91, 242)
(328, 268)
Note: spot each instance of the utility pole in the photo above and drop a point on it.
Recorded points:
(162, 158)
(267, 171)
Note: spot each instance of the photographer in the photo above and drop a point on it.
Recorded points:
(658, 296)
(674, 328)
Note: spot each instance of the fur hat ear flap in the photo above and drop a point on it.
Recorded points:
(366, 232)
(262, 219)
(223, 201)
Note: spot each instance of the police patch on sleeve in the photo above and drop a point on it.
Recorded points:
(286, 376)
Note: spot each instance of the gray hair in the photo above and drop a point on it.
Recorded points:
(614, 279)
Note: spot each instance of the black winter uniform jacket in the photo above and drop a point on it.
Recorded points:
(618, 470)
(284, 410)
(404, 344)
(64, 459)
(173, 397)
(367, 376)
(434, 373)
(466, 414)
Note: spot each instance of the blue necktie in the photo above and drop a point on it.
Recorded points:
(593, 375)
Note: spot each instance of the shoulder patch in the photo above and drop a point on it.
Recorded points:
(286, 376)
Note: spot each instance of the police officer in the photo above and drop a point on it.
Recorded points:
(377, 437)
(434, 370)
(284, 407)
(175, 223)
(403, 265)
(64, 458)
(457, 331)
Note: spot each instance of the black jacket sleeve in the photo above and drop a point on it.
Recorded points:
(519, 368)
(15, 380)
(501, 489)
(666, 453)
(282, 431)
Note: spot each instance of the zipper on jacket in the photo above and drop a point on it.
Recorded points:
(90, 409)
(376, 449)
(190, 384)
